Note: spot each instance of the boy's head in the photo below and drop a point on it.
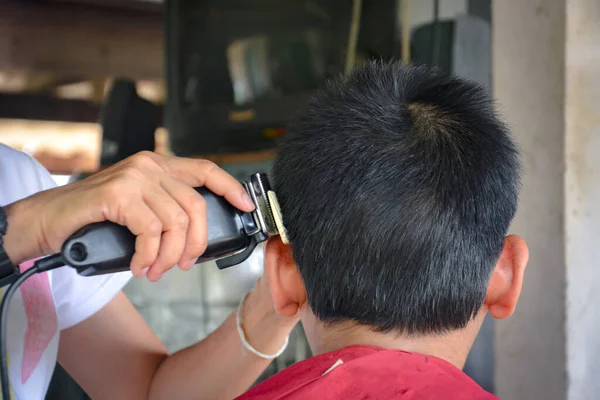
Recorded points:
(397, 186)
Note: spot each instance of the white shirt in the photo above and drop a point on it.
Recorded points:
(46, 303)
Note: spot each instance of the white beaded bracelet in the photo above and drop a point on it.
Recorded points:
(245, 341)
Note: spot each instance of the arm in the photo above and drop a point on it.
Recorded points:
(152, 195)
(114, 354)
(21, 242)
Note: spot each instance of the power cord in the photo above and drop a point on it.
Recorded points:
(41, 265)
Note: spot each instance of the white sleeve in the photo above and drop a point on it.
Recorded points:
(21, 176)
(76, 297)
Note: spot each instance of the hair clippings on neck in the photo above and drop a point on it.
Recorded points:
(244, 341)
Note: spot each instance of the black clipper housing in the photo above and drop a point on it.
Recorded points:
(233, 235)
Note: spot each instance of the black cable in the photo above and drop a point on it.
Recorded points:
(41, 265)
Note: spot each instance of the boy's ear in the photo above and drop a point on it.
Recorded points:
(507, 278)
(283, 278)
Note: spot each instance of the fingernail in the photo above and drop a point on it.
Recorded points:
(185, 265)
(247, 201)
(143, 272)
(157, 277)
(190, 264)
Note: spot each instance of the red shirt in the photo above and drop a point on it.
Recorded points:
(371, 373)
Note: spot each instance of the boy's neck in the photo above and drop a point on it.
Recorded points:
(452, 346)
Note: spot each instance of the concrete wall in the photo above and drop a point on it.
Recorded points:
(582, 213)
(528, 81)
(546, 62)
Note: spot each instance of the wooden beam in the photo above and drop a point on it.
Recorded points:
(47, 108)
(31, 81)
(86, 40)
(67, 165)
(39, 82)
(136, 5)
(250, 157)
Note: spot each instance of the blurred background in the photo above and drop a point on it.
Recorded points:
(86, 83)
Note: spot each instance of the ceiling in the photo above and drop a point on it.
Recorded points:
(71, 49)
(57, 59)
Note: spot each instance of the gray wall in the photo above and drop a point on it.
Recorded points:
(582, 211)
(528, 81)
(546, 64)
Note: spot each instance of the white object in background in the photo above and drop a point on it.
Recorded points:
(61, 180)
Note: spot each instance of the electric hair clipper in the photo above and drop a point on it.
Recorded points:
(105, 247)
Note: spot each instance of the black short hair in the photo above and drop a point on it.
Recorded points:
(397, 186)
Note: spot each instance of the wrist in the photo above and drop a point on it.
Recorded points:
(265, 330)
(19, 244)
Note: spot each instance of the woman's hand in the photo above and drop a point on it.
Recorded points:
(152, 195)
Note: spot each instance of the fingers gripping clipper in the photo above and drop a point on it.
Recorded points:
(265, 221)
(233, 235)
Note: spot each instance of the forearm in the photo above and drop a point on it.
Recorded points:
(219, 367)
(20, 242)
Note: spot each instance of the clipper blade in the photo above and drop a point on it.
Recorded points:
(259, 184)
(277, 216)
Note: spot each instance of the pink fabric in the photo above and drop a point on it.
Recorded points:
(41, 319)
